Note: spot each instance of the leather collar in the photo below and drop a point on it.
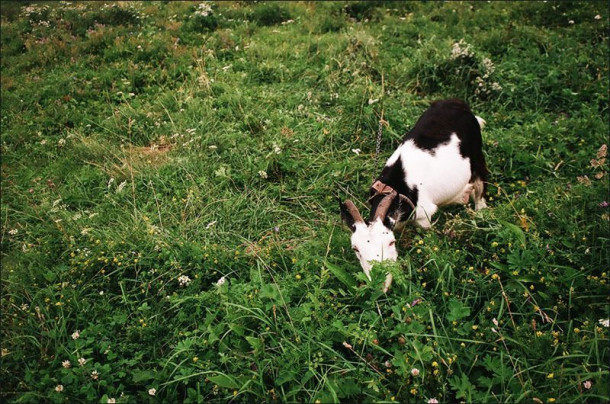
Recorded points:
(381, 188)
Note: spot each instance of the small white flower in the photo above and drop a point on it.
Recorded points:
(415, 372)
(571, 22)
(203, 9)
(111, 401)
(213, 147)
(59, 388)
(495, 322)
(66, 364)
(221, 281)
(372, 101)
(13, 232)
(263, 174)
(76, 334)
(43, 142)
(82, 361)
(598, 17)
(61, 142)
(184, 280)
(120, 187)
(152, 392)
(461, 49)
(95, 375)
(605, 322)
(587, 385)
(276, 149)
(433, 401)
(356, 151)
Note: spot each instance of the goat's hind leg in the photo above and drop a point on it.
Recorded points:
(478, 196)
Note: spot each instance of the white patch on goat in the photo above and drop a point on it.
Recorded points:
(441, 176)
(372, 243)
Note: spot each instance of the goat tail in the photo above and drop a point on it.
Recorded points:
(481, 121)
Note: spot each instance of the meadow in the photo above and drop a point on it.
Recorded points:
(170, 227)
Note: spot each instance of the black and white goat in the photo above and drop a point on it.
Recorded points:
(439, 162)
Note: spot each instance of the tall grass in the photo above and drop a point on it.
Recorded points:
(170, 228)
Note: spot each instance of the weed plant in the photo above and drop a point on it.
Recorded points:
(170, 230)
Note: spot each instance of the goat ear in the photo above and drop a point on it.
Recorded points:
(350, 214)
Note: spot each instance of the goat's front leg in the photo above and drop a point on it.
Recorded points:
(423, 215)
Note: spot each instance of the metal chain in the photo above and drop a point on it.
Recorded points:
(380, 129)
(378, 145)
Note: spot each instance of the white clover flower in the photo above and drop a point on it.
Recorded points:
(184, 280)
(119, 189)
(263, 174)
(59, 388)
(598, 17)
(604, 322)
(571, 22)
(461, 49)
(82, 361)
(203, 9)
(488, 65)
(152, 392)
(356, 151)
(415, 372)
(587, 385)
(66, 364)
(95, 375)
(276, 149)
(433, 401)
(221, 281)
(76, 335)
(496, 86)
(111, 401)
(13, 232)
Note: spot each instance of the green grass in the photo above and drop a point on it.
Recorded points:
(143, 143)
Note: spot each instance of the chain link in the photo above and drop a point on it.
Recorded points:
(378, 145)
(380, 129)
